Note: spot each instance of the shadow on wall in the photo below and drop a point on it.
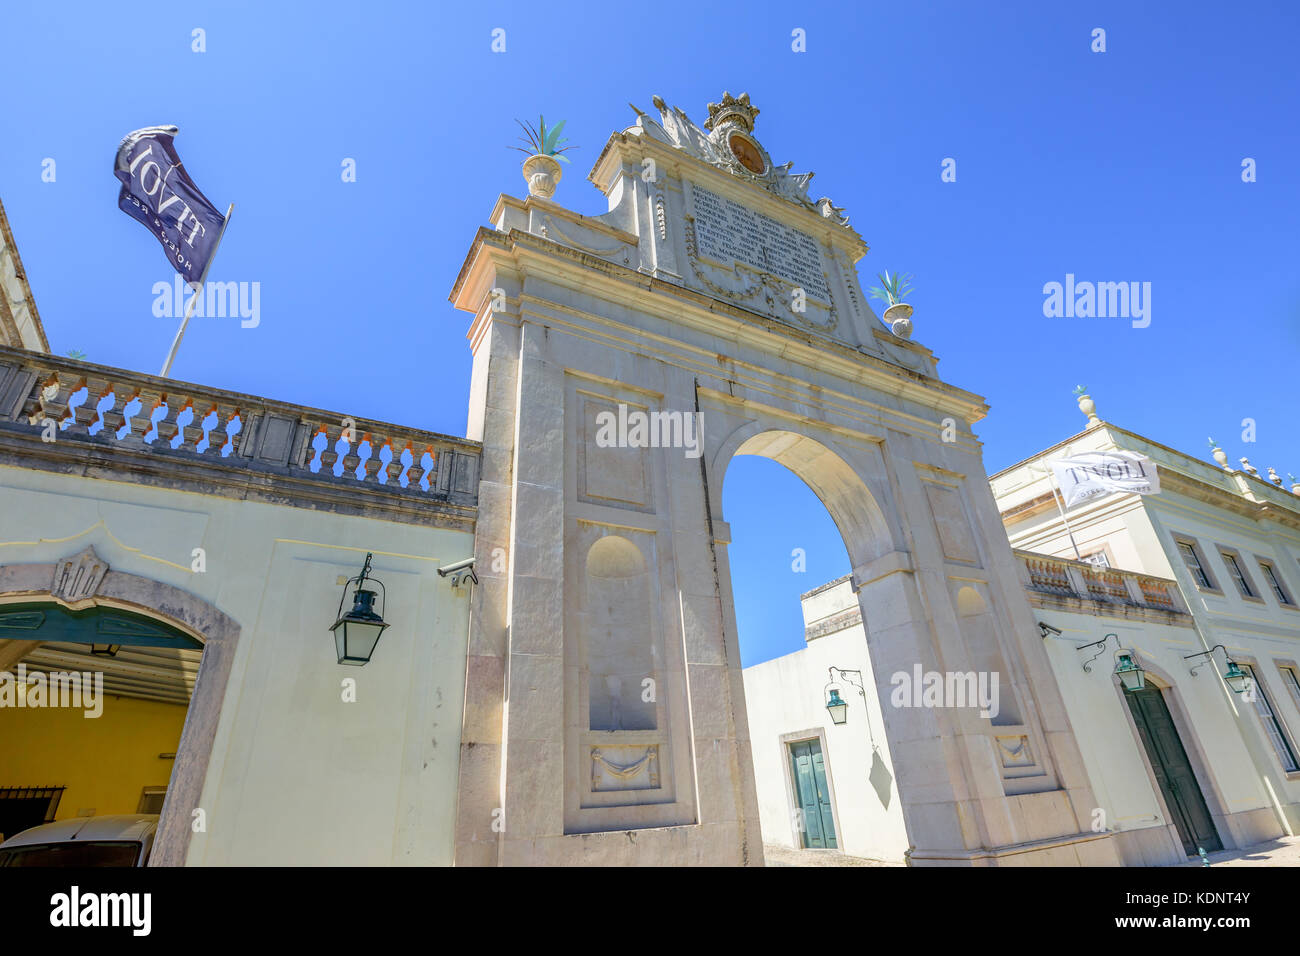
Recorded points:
(881, 780)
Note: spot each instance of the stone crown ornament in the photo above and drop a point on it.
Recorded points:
(730, 112)
(727, 141)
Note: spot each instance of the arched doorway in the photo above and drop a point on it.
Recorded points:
(147, 646)
(940, 613)
(129, 676)
(821, 785)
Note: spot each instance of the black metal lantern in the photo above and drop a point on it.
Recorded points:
(357, 633)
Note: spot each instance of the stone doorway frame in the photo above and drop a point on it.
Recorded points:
(83, 581)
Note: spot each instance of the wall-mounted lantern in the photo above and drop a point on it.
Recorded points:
(836, 705)
(1236, 679)
(1130, 673)
(357, 632)
(839, 710)
(1127, 669)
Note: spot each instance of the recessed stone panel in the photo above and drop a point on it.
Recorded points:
(607, 473)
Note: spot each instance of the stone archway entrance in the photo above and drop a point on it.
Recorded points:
(632, 319)
(80, 597)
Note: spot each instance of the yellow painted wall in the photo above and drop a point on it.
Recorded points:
(105, 762)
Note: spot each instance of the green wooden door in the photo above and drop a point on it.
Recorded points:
(1173, 770)
(812, 796)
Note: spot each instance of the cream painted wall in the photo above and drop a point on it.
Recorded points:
(297, 776)
(787, 695)
(1112, 753)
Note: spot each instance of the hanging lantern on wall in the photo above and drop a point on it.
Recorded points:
(837, 707)
(357, 632)
(1131, 675)
(1235, 677)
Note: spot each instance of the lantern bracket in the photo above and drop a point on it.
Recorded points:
(360, 579)
(845, 678)
(1087, 665)
(1208, 655)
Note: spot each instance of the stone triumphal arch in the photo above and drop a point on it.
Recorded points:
(620, 362)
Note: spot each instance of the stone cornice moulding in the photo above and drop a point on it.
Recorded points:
(1073, 604)
(1188, 474)
(82, 459)
(852, 364)
(894, 562)
(868, 418)
(7, 243)
(554, 209)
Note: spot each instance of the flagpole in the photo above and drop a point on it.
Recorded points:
(1060, 505)
(1051, 477)
(189, 308)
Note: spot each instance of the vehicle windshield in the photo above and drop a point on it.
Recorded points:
(90, 853)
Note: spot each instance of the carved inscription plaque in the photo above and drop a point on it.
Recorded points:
(726, 231)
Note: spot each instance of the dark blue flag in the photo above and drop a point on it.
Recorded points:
(158, 191)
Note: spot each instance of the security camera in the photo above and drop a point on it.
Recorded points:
(460, 572)
(1047, 629)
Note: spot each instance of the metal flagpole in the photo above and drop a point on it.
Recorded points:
(189, 309)
(1060, 506)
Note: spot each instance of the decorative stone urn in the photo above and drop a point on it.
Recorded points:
(1089, 408)
(1221, 457)
(899, 318)
(1295, 486)
(543, 174)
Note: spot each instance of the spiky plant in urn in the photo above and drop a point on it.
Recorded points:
(891, 291)
(545, 153)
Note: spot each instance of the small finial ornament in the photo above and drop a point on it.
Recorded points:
(1274, 477)
(1219, 454)
(1087, 405)
(1248, 468)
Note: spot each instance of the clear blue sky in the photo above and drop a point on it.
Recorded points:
(1116, 166)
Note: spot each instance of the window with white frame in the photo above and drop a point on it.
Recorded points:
(1232, 562)
(1291, 677)
(1274, 581)
(1273, 728)
(1191, 555)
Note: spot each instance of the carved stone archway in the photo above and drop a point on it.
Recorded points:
(84, 580)
(713, 300)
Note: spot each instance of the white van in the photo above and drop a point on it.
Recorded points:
(122, 839)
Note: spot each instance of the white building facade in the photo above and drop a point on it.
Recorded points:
(1231, 541)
